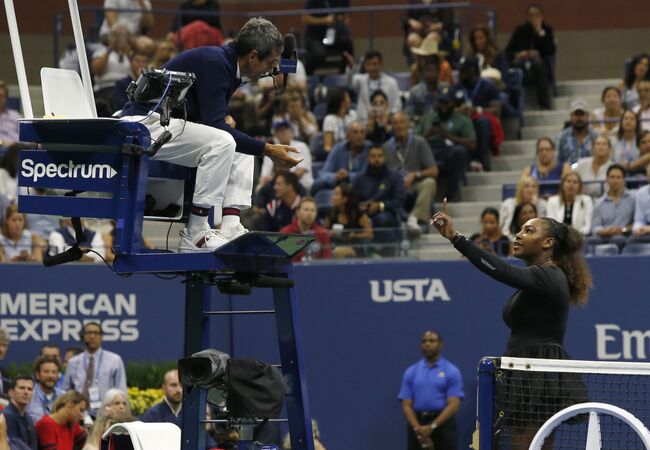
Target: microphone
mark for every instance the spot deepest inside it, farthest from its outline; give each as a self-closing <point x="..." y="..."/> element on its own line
<point x="74" y="253"/>
<point x="288" y="60"/>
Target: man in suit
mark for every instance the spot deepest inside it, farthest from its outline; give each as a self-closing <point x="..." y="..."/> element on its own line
<point x="208" y="140"/>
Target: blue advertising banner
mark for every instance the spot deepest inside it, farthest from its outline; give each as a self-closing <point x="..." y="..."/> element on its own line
<point x="361" y="323"/>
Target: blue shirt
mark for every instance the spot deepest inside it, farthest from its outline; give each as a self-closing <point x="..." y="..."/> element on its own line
<point x="608" y="213"/>
<point x="339" y="158"/>
<point x="642" y="208"/>
<point x="481" y="94"/>
<point x="569" y="150"/>
<point x="430" y="387"/>
<point x="41" y="405"/>
<point x="109" y="373"/>
<point x="20" y="427"/>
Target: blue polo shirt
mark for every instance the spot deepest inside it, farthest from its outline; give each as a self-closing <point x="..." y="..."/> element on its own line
<point x="430" y="386"/>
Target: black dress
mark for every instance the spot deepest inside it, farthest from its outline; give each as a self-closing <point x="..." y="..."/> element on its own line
<point x="537" y="315"/>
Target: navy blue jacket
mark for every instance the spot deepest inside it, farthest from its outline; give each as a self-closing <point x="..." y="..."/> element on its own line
<point x="161" y="412"/>
<point x="387" y="187"/>
<point x="207" y="100"/>
<point x="20" y="427"/>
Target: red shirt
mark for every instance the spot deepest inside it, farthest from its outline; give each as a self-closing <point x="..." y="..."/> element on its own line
<point x="53" y="436"/>
<point x="321" y="234"/>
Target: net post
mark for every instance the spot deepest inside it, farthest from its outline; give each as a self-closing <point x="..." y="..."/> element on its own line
<point x="485" y="401"/>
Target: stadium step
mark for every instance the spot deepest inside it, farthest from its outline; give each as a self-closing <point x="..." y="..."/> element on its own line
<point x="534" y="133"/>
<point x="510" y="162"/>
<point x="584" y="87"/>
<point x="523" y="147"/>
<point x="470" y="208"/>
<point x="495" y="177"/>
<point x="546" y="118"/>
<point x="563" y="102"/>
<point x="487" y="193"/>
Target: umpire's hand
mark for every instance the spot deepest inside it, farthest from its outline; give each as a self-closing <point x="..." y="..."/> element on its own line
<point x="279" y="154"/>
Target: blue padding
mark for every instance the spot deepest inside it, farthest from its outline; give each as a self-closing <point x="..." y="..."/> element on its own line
<point x="95" y="132"/>
<point x="636" y="249"/>
<point x="335" y="80"/>
<point x="102" y="208"/>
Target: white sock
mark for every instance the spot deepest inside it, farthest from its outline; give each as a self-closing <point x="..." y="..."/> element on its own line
<point x="230" y="223"/>
<point x="197" y="223"/>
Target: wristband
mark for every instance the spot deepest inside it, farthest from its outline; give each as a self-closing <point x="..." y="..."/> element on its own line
<point x="457" y="236"/>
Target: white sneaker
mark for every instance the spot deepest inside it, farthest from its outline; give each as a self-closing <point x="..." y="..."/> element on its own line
<point x="233" y="234"/>
<point x="201" y="241"/>
<point x="413" y="227"/>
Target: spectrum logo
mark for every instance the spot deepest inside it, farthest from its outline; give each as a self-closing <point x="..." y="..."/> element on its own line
<point x="32" y="170"/>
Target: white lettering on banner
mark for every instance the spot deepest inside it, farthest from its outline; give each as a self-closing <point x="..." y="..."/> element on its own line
<point x="632" y="344"/>
<point x="30" y="169"/>
<point x="405" y="290"/>
<point x="63" y="315"/>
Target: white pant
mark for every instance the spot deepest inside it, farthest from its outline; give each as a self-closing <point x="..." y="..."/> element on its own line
<point x="223" y="177"/>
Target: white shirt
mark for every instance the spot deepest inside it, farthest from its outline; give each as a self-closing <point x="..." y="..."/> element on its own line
<point x="364" y="87"/>
<point x="583" y="207"/>
<point x="584" y="167"/>
<point x="8" y="185"/>
<point x="58" y="245"/>
<point x="307" y="178"/>
<point x="338" y="126"/>
<point x="507" y="211"/>
<point x="117" y="67"/>
<point x="131" y="20"/>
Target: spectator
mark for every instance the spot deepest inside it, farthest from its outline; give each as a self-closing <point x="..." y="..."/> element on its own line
<point x="198" y="9"/>
<point x="4" y="204"/>
<point x="546" y="166"/>
<point x="94" y="371"/>
<point x="8" y="121"/>
<point x="606" y="119"/>
<point x="613" y="212"/>
<point x="381" y="191"/>
<point x="451" y="136"/>
<point x="637" y="167"/>
<point x="294" y="110"/>
<point x="144" y="45"/>
<point x="63" y="238"/>
<point x="17" y="243"/>
<point x="135" y="22"/>
<point x="42" y="224"/>
<point x="490" y="238"/>
<point x="642" y="110"/>
<point x="575" y="141"/>
<point x="349" y="227"/>
<point x="346" y="160"/>
<point x="626" y="149"/>
<point x="641" y="226"/>
<point x="326" y="33"/>
<point x="283" y="134"/>
<point x="532" y="48"/>
<point x="411" y="156"/>
<point x="374" y="79"/>
<point x="431" y="392"/>
<point x="378" y="127"/>
<point x="484" y="48"/>
<point x="339" y="117"/>
<point x="523" y="213"/>
<point x="109" y="65"/>
<point x="70" y="353"/>
<point x="5" y="339"/>
<point x="165" y="50"/>
<point x="305" y="222"/>
<point x="19" y="424"/>
<point x="571" y="207"/>
<point x="139" y="62"/>
<point x="280" y="210"/>
<point x="61" y="430"/>
<point x="4" y="440"/>
<point x="422" y="97"/>
<point x="115" y="403"/>
<point x="640" y="66"/>
<point x="54" y="352"/>
<point x="46" y="372"/>
<point x="484" y="105"/>
<point x="425" y="24"/>
<point x="426" y="52"/>
<point x="267" y="107"/>
<point x="527" y="192"/>
<point x="9" y="172"/>
<point x="93" y="442"/>
<point x="286" y="444"/>
<point x="594" y="168"/>
<point x="169" y="409"/>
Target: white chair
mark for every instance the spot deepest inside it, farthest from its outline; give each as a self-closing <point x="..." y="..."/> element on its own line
<point x="145" y="436"/>
<point x="64" y="95"/>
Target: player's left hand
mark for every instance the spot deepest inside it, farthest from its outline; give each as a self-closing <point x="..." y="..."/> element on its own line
<point x="280" y="156"/>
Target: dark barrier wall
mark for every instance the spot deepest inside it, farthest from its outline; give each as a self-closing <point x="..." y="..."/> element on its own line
<point x="361" y="324"/>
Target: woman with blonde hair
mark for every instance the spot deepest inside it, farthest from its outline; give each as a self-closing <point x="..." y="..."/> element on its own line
<point x="570" y="206"/>
<point x="594" y="168"/>
<point x="100" y="426"/>
<point x="17" y="243"/>
<point x="527" y="192"/>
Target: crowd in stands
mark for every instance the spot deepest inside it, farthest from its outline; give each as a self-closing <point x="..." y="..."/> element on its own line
<point x="378" y="148"/>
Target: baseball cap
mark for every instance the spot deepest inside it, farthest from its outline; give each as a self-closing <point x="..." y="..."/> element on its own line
<point x="279" y="123"/>
<point x="579" y="104"/>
